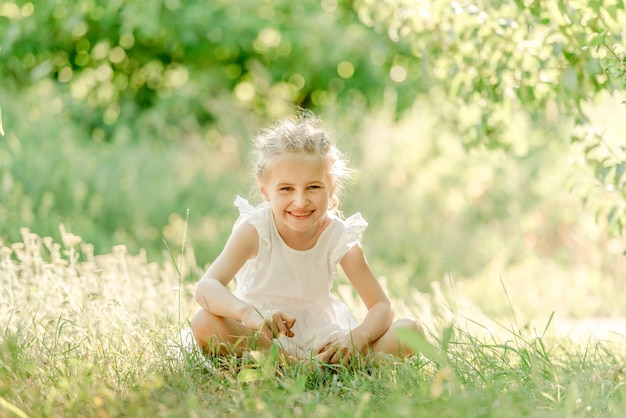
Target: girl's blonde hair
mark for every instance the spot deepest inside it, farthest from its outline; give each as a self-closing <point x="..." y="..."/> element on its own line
<point x="301" y="133"/>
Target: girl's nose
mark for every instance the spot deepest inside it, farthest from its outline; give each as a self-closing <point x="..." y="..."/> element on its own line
<point x="301" y="200"/>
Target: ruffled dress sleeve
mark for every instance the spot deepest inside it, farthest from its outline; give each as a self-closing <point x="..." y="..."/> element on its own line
<point x="245" y="208"/>
<point x="353" y="228"/>
<point x="255" y="216"/>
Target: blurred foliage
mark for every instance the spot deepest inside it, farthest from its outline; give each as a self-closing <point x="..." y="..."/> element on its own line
<point x="122" y="57"/>
<point x="124" y="192"/>
<point x="438" y="211"/>
<point x="435" y="210"/>
<point x="492" y="58"/>
<point x="121" y="115"/>
<point x="119" y="59"/>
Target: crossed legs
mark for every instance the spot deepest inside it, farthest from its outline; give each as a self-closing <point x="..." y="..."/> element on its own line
<point x="217" y="335"/>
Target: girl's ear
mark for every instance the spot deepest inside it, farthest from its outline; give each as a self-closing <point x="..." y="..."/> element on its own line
<point x="262" y="189"/>
<point x="333" y="202"/>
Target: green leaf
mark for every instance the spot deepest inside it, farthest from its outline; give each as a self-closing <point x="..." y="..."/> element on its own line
<point x="596" y="39"/>
<point x="419" y="344"/>
<point x="250" y="375"/>
<point x="274" y="353"/>
<point x="448" y="332"/>
<point x="299" y="385"/>
<point x="619" y="171"/>
<point x="570" y="79"/>
<point x="571" y="398"/>
<point x="611" y="216"/>
<point x="12" y="408"/>
<point x="257" y="356"/>
<point x="604" y="172"/>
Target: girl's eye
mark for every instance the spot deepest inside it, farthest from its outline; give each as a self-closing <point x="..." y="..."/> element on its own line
<point x="315" y="187"/>
<point x="286" y="189"/>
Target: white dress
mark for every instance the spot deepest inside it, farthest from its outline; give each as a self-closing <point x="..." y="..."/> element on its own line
<point x="298" y="282"/>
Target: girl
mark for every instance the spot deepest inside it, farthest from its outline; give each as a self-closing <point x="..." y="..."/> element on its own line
<point x="284" y="256"/>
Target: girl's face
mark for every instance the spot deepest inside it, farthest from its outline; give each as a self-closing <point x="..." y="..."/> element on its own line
<point x="299" y="191"/>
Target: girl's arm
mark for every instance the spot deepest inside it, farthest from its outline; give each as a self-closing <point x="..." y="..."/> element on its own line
<point x="211" y="291"/>
<point x="379" y="313"/>
<point x="213" y="295"/>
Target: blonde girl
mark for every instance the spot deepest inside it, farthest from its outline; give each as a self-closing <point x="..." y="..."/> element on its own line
<point x="284" y="256"/>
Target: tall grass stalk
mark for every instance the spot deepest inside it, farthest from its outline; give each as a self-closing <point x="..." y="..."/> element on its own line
<point x="179" y="266"/>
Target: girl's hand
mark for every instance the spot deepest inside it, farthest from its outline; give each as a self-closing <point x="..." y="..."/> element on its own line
<point x="340" y="350"/>
<point x="272" y="324"/>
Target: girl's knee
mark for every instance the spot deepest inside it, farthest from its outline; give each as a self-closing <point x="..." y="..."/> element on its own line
<point x="206" y="330"/>
<point x="411" y="324"/>
<point x="390" y="343"/>
<point x="202" y="324"/>
<point x="218" y="335"/>
<point x="408" y="323"/>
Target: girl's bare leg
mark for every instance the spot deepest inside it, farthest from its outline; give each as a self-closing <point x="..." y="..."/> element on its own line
<point x="389" y="342"/>
<point x="224" y="336"/>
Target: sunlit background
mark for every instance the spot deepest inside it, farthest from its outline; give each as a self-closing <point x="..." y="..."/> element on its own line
<point x="130" y="123"/>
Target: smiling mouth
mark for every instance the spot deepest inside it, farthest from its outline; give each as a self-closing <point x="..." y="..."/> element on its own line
<point x="301" y="214"/>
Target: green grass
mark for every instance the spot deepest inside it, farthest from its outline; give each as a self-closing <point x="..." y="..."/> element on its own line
<point x="98" y="335"/>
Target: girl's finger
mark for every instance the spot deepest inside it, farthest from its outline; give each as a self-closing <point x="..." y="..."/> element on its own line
<point x="341" y="356"/>
<point x="346" y="357"/>
<point x="328" y="354"/>
<point x="279" y="324"/>
<point x="269" y="329"/>
<point x="290" y="333"/>
<point x="288" y="320"/>
<point x="337" y="357"/>
<point x="323" y="347"/>
<point x="266" y="330"/>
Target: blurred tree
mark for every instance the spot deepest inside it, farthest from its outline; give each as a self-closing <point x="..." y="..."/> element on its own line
<point x="157" y="66"/>
<point x="494" y="58"/>
<point x="120" y="58"/>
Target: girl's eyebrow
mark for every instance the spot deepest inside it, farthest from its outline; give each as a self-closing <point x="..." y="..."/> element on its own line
<point x="285" y="183"/>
